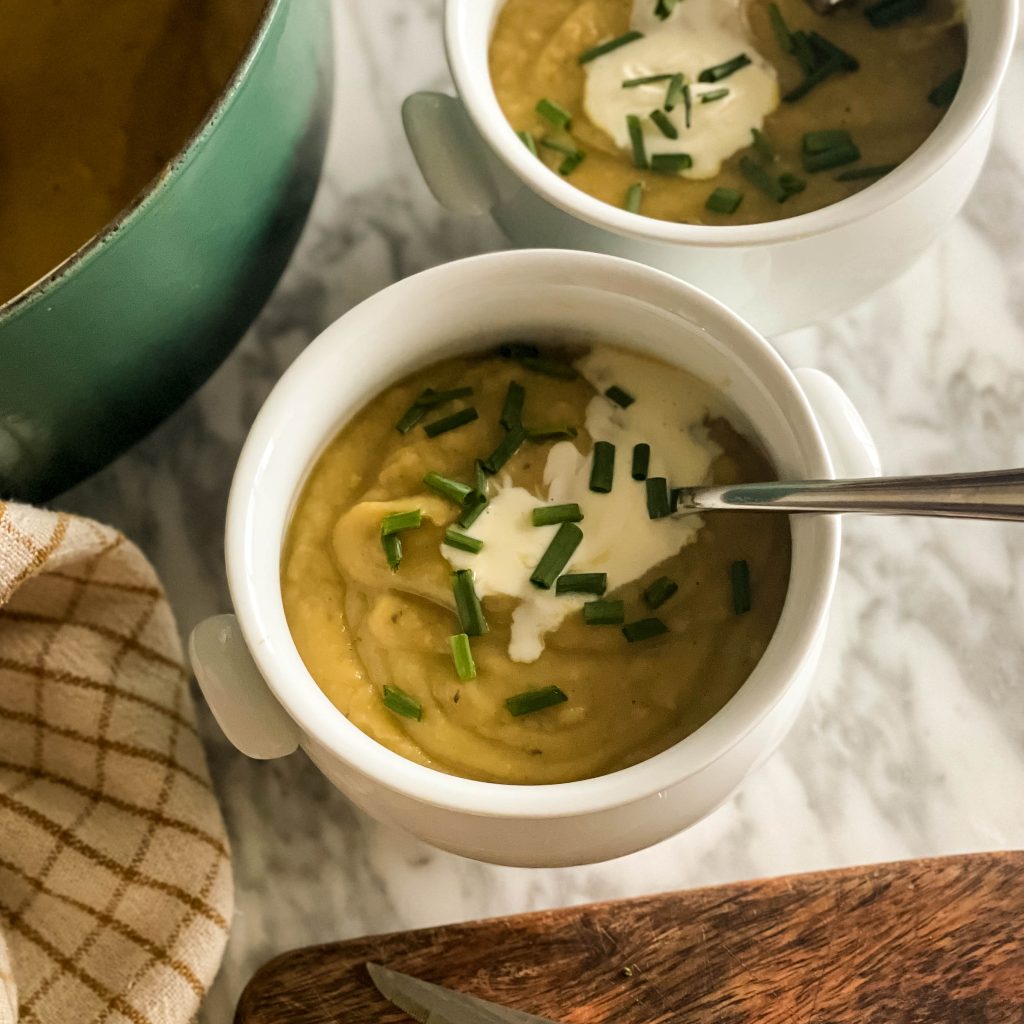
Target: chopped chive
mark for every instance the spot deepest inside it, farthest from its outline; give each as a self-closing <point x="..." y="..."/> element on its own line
<point x="634" y="197"/>
<point x="660" y="591"/>
<point x="804" y="52"/>
<point x="396" y="522"/>
<point x="641" y="461"/>
<point x="724" y="70"/>
<point x="780" y="28"/>
<point x="573" y="156"/>
<point x="528" y="141"/>
<point x="664" y="124"/>
<point x="658" y="502"/>
<point x="828" y="52"/>
<point x="462" y="541"/>
<point x="688" y="106"/>
<point x="411" y="417"/>
<point x="888" y="12"/>
<point x="632" y="83"/>
<point x="762" y="145"/>
<point x="620" y="397"/>
<point x="535" y="700"/>
<point x="859" y="173"/>
<point x="401" y="703"/>
<point x="671" y="163"/>
<point x="538" y="435"/>
<point x="613" y="44"/>
<point x="557" y="556"/>
<point x="767" y="183"/>
<point x="453" y="422"/>
<point x="472" y="509"/>
<point x="507" y="447"/>
<point x="462" y="655"/>
<point x="392" y="545"/>
<point x="713" y="94"/>
<point x="792" y="184"/>
<point x="674" y="94"/>
<point x="739" y="575"/>
<point x="835" y="157"/>
<point x="821" y="141"/>
<point x="518" y="350"/>
<point x="512" y="410"/>
<point x="595" y="583"/>
<point x="430" y="399"/>
<point x="604" y="613"/>
<point x="548" y="367"/>
<point x="664" y="8"/>
<point x="602" y="472"/>
<point x="454" y="490"/>
<point x="636" y="138"/>
<point x="944" y="93"/>
<point x="555" y="113"/>
<point x="645" y="629"/>
<point x="813" y="80"/>
<point x="481" y="479"/>
<point x="724" y="200"/>
<point x="467" y="604"/>
<point x="553" y="515"/>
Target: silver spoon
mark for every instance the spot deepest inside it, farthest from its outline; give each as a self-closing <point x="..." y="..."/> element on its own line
<point x="996" y="495"/>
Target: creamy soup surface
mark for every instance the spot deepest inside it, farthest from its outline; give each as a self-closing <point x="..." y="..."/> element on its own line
<point x="883" y="85"/>
<point x="375" y="636"/>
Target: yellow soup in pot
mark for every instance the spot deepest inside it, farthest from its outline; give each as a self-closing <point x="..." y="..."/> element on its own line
<point x="725" y="111"/>
<point x="481" y="573"/>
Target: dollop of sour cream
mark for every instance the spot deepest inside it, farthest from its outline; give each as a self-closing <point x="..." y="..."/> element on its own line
<point x="699" y="34"/>
<point x="619" y="538"/>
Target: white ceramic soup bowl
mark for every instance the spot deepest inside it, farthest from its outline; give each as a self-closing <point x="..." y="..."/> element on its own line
<point x="267" y="702"/>
<point x="779" y="276"/>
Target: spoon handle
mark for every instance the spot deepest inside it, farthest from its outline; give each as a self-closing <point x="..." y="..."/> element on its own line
<point x="996" y="495"/>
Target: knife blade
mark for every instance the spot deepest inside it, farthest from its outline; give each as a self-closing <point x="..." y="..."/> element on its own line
<point x="435" y="1004"/>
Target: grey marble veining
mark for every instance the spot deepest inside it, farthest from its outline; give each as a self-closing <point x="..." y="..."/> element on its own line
<point x="913" y="741"/>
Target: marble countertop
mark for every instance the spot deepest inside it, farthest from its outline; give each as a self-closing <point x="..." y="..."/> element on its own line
<point x="913" y="741"/>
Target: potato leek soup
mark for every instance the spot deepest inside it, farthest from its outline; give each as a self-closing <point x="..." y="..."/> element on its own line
<point x="483" y="575"/>
<point x="725" y="111"/>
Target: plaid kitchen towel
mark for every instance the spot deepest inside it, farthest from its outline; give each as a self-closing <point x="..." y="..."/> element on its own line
<point x="115" y="874"/>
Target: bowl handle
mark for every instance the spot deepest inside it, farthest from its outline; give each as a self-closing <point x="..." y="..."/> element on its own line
<point x="454" y="161"/>
<point x="853" y="449"/>
<point x="237" y="694"/>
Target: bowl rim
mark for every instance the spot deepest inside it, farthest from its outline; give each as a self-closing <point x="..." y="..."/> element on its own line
<point x="171" y="170"/>
<point x="327" y="729"/>
<point x="978" y="91"/>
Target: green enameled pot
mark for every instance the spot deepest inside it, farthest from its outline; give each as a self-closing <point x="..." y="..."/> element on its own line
<point x="95" y="355"/>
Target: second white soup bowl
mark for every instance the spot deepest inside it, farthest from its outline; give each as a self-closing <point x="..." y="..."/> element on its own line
<point x="267" y="702"/>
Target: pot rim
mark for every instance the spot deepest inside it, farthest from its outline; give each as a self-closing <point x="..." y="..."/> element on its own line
<point x="167" y="174"/>
<point x="257" y="505"/>
<point x="977" y="93"/>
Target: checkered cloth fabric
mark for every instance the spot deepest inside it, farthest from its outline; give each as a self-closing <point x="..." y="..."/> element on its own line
<point x="115" y="874"/>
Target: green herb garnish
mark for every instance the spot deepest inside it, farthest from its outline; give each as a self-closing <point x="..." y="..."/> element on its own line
<point x="467" y="604"/>
<point x="472" y="508"/>
<point x="613" y="44"/>
<point x="512" y="410"/>
<point x="780" y="28"/>
<point x="664" y="124"/>
<point x="739" y="576"/>
<point x="888" y="12"/>
<point x="675" y="92"/>
<point x="632" y="83"/>
<point x="453" y="422"/>
<point x="455" y="491"/>
<point x="713" y="94"/>
<point x="634" y="197"/>
<point x="518" y="350"/>
<point x="392" y="545"/>
<point x="664" y="8"/>
<point x="641" y="461"/>
<point x="792" y="184"/>
<point x="645" y="629"/>
<point x="619" y="396"/>
<point x="724" y="200"/>
<point x="658" y="502"/>
<point x="462" y="655"/>
<point x="660" y="591"/>
<point x="826" y="51"/>
<point x="604" y="613"/>
<point x="535" y="700"/>
<point x="528" y="141"/>
<point x="724" y="70"/>
<point x="401" y="703"/>
<point x="827" y="149"/>
<point x="557" y="556"/>
<point x="410" y="418"/>
<point x="462" y="541"/>
<point x="945" y="92"/>
<point x="636" y="138"/>
<point x="396" y="522"/>
<point x="553" y="515"/>
<point x="555" y="113"/>
<point x="763" y="147"/>
<point x="595" y="583"/>
<point x="507" y="447"/>
<point x="431" y="399"/>
<point x="820" y="141"/>
<point x="759" y="177"/>
<point x="541" y="364"/>
<point x="602" y="472"/>
<point x="573" y="156"/>
<point x="859" y="173"/>
<point x="671" y="163"/>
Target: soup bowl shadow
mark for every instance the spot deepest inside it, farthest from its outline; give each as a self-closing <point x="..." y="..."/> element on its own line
<point x="254" y="678"/>
<point x="123" y="331"/>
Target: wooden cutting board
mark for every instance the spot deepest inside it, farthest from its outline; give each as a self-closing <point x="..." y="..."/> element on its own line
<point x="921" y="942"/>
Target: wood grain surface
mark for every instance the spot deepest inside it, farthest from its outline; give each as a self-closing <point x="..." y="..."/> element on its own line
<point x="921" y="942"/>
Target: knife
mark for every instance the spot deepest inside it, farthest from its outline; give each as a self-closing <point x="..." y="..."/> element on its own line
<point x="434" y="1004"/>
